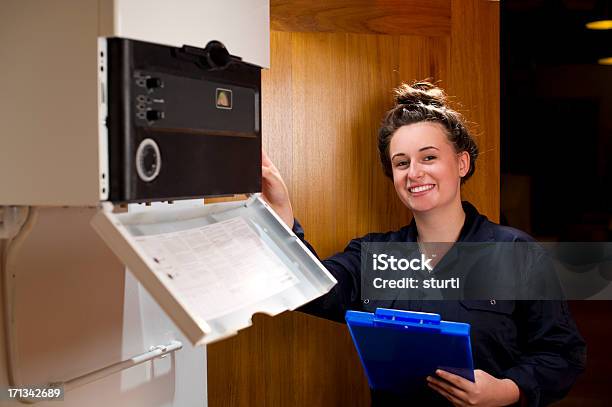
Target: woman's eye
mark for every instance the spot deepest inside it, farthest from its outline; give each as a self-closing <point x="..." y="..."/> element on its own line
<point x="429" y="158"/>
<point x="401" y="163"/>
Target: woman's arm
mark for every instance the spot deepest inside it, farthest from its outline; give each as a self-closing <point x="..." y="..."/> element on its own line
<point x="344" y="266"/>
<point x="274" y="191"/>
<point x="554" y="353"/>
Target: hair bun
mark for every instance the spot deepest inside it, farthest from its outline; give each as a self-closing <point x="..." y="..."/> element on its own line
<point x="422" y="92"/>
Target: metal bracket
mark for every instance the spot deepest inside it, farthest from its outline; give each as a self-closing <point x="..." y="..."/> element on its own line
<point x="159" y="351"/>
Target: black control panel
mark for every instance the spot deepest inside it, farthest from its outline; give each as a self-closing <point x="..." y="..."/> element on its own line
<point x="183" y="122"/>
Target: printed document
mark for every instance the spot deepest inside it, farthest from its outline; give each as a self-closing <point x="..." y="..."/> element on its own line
<point x="218" y="268"/>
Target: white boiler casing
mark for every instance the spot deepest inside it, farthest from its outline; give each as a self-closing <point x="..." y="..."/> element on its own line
<point x="52" y="138"/>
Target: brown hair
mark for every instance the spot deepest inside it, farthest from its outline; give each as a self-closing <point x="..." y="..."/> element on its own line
<point x="419" y="102"/>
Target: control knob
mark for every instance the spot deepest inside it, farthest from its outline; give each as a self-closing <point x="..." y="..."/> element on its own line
<point x="148" y="160"/>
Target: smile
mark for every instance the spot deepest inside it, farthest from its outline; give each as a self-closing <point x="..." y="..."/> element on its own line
<point x="420" y="188"/>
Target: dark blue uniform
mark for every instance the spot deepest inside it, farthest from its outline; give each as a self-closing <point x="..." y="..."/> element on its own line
<point x="534" y="343"/>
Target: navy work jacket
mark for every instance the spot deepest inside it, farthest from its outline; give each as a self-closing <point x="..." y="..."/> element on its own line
<point x="536" y="344"/>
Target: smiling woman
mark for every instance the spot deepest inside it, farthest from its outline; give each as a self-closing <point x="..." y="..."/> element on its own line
<point x="426" y="168"/>
<point x="527" y="351"/>
<point x="422" y="102"/>
<point x="427" y="152"/>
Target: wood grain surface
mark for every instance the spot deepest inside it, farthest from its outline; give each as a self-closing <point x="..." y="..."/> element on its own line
<point x="396" y="17"/>
<point x="474" y="83"/>
<point x="323" y="98"/>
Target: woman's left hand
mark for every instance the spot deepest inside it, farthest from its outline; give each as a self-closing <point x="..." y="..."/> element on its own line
<point x="485" y="391"/>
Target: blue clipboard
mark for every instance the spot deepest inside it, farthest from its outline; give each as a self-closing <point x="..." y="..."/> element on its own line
<point x="399" y="349"/>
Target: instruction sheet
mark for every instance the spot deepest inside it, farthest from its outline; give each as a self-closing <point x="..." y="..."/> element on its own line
<point x="220" y="267"/>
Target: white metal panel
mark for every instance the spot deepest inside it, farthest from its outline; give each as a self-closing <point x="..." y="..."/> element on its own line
<point x="243" y="26"/>
<point x="77" y="310"/>
<point x="102" y="97"/>
<point x="185" y="376"/>
<point x="205" y="318"/>
<point x="123" y="244"/>
<point x="48" y="108"/>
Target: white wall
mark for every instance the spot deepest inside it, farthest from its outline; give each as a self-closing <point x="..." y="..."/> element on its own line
<point x="76" y="310"/>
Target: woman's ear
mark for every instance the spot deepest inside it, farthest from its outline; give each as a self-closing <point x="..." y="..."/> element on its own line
<point x="463" y="159"/>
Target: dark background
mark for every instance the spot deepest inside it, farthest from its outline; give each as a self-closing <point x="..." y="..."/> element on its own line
<point x="556" y="120"/>
<point x="556" y="126"/>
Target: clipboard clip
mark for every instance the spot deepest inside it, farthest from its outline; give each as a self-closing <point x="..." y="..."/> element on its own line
<point x="407" y="319"/>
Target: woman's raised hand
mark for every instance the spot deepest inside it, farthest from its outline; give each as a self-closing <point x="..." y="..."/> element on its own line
<point x="274" y="190"/>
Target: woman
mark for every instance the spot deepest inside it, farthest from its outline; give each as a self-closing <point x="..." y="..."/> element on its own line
<point x="526" y="352"/>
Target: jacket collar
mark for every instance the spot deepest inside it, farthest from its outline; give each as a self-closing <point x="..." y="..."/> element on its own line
<point x="476" y="228"/>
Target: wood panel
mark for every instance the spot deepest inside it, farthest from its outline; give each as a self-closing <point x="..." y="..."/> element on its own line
<point x="277" y="105"/>
<point x="319" y="126"/>
<point x="474" y="83"/>
<point x="397" y="17"/>
<point x="289" y="360"/>
<point x="337" y="177"/>
<point x="324" y="97"/>
<point x="425" y="58"/>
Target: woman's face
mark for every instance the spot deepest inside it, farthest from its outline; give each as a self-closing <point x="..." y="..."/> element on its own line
<point x="426" y="169"/>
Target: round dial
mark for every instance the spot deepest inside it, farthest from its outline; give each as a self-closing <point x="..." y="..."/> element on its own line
<point x="148" y="160"/>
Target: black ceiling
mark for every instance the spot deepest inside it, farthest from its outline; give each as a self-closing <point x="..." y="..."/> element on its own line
<point x="553" y="32"/>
